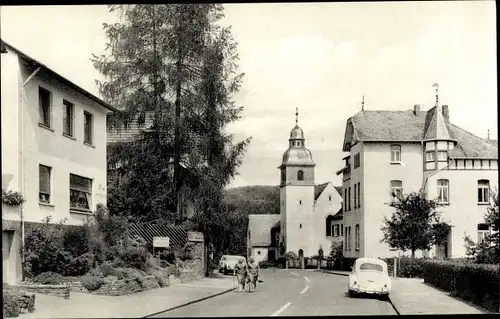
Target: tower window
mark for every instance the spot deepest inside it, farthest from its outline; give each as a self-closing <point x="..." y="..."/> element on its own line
<point x="330" y="197"/>
<point x="300" y="202"/>
<point x="300" y="175"/>
<point x="300" y="225"/>
<point x="283" y="175"/>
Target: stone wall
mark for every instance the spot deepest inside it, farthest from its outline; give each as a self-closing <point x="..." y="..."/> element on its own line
<point x="196" y="266"/>
<point x="25" y="301"/>
<point x="51" y="290"/>
<point x="192" y="270"/>
<point x="120" y="287"/>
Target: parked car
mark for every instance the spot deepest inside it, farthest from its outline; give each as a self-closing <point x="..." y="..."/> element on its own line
<point x="369" y="275"/>
<point x="227" y="263"/>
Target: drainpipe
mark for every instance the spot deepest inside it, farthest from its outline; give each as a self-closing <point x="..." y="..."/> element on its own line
<point x="22" y="167"/>
<point x="424" y="182"/>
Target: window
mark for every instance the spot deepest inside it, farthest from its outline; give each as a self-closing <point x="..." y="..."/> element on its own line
<point x="349" y="197"/>
<point x="356" y="237"/>
<point x="356" y="160"/>
<point x="370" y="266"/>
<point x="396" y="189"/>
<point x="341" y="230"/>
<point x="443" y="187"/>
<point x="336" y="232"/>
<point x="345" y="239"/>
<point x="483" y="191"/>
<point x="258" y="252"/>
<point x="355" y="197"/>
<point x="300" y="175"/>
<point x="283" y="176"/>
<point x="359" y="197"/>
<point x="395" y="153"/>
<point x="329" y="225"/>
<point x="300" y="202"/>
<point x="442" y="156"/>
<point x="430" y="156"/>
<point x="44" y="106"/>
<point x="68" y="118"/>
<point x="88" y="128"/>
<point x="300" y="225"/>
<point x="330" y="198"/>
<point x="80" y="192"/>
<point x="349" y="238"/>
<point x="44" y="184"/>
<point x="483" y="231"/>
<point x="345" y="200"/>
<point x="332" y="230"/>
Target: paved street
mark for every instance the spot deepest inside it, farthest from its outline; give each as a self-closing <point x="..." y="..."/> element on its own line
<point x="288" y="293"/>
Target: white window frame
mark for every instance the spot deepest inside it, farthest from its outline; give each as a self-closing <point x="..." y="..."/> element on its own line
<point x="91" y="116"/>
<point x="430" y="156"/>
<point x="49" y="201"/>
<point x="67" y="104"/>
<point x="356" y="237"/>
<point x="89" y="198"/>
<point x="441" y="158"/>
<point x="395" y="150"/>
<point x="41" y="120"/>
<point x="483" y="191"/>
<point x="396" y="189"/>
<point x="441" y="189"/>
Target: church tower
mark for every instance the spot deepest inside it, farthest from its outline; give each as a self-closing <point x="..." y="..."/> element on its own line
<point x="297" y="195"/>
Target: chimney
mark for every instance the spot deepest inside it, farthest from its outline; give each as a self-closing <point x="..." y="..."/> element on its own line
<point x="416" y="109"/>
<point x="446" y="112"/>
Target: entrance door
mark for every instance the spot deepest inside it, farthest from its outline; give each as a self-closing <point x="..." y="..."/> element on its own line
<point x="271" y="255"/>
<point x="6" y="244"/>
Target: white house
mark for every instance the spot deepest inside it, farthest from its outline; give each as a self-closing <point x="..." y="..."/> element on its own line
<point x="406" y="151"/>
<point x="53" y="150"/>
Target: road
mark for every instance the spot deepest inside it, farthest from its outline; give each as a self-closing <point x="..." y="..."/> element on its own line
<point x="288" y="293"/>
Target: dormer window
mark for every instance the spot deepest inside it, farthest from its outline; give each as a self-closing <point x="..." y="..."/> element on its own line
<point x="395" y="153"/>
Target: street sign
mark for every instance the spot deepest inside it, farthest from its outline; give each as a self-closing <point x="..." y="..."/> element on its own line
<point x="162" y="242"/>
<point x="195" y="236"/>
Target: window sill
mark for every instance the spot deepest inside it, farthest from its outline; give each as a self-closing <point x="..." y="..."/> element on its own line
<point x="89" y="145"/>
<point x="444" y="204"/>
<point x="45" y="127"/>
<point x="357" y="249"/>
<point x="483" y="204"/>
<point x="80" y="211"/>
<point x="69" y="136"/>
<point x="46" y="204"/>
<point x="396" y="163"/>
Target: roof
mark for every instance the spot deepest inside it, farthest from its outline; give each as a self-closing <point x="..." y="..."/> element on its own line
<point x="339" y="215"/>
<point x="437" y="128"/>
<point x="338" y="189"/>
<point x="406" y="126"/>
<point x="60" y="77"/>
<point x="176" y="234"/>
<point x="259" y="227"/>
<point x="318" y="190"/>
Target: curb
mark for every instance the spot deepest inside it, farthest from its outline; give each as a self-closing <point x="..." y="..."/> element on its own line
<point x="394" y="306"/>
<point x="334" y="273"/>
<point x="190" y="303"/>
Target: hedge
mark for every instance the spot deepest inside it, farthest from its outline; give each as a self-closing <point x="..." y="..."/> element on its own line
<point x="477" y="283"/>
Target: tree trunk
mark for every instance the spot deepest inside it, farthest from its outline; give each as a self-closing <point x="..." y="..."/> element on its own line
<point x="177" y="159"/>
<point x="412" y="253"/>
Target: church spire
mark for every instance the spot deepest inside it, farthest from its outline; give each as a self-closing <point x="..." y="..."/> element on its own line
<point x="297" y="116"/>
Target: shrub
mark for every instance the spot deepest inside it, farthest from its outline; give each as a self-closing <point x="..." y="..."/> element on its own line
<point x="477" y="283"/>
<point x="118" y="263"/>
<point x="135" y="257"/>
<point x="92" y="283"/>
<point x="63" y="262"/>
<point x="11" y="307"/>
<point x="168" y="255"/>
<point x="11" y="198"/>
<point x="108" y="270"/>
<point x="77" y="239"/>
<point x="49" y="278"/>
<point x="81" y="265"/>
<point x="187" y="252"/>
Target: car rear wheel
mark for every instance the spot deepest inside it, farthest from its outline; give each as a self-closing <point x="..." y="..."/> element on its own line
<point x="352" y="293"/>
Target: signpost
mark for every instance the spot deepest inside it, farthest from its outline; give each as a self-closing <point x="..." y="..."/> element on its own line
<point x="160" y="242"/>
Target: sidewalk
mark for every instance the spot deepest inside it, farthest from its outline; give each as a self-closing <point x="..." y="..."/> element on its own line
<point x="412" y="296"/>
<point x="136" y="305"/>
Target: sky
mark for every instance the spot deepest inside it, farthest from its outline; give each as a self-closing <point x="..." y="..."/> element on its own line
<point x="318" y="57"/>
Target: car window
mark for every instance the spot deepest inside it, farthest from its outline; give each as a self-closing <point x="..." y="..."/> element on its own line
<point x="370" y="266"/>
<point x="233" y="258"/>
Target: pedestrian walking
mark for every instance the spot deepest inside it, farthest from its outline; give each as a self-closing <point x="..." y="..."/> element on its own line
<point x="240" y="273"/>
<point x="253" y="274"/>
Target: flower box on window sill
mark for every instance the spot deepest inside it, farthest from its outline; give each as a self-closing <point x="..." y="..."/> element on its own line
<point x="80" y="211"/>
